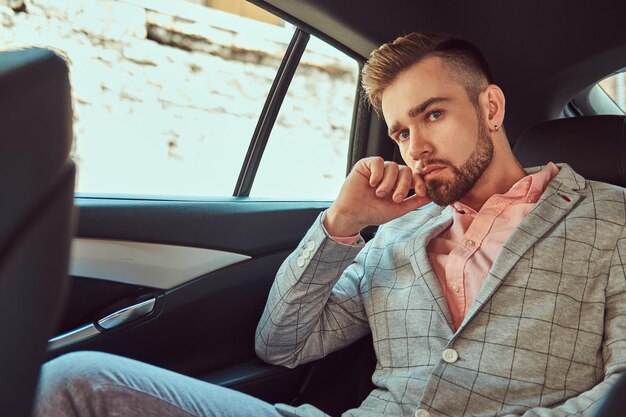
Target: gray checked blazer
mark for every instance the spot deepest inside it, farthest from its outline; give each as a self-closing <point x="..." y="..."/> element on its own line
<point x="545" y="336"/>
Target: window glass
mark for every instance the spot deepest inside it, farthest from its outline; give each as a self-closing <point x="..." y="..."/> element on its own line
<point x="306" y="155"/>
<point x="166" y="94"/>
<point x="615" y="87"/>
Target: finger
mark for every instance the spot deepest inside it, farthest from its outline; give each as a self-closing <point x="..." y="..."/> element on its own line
<point x="419" y="185"/>
<point x="388" y="183"/>
<point x="403" y="184"/>
<point x="376" y="167"/>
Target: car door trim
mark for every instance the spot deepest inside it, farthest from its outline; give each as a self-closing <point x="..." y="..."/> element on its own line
<point x="74" y="336"/>
<point x="145" y="264"/>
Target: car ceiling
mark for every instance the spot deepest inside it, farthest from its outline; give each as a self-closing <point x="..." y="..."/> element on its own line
<point x="542" y="53"/>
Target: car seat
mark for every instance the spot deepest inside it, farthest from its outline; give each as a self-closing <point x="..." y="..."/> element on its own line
<point x="593" y="145"/>
<point x="36" y="185"/>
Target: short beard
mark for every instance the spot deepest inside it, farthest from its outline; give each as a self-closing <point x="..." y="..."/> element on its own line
<point x="445" y="192"/>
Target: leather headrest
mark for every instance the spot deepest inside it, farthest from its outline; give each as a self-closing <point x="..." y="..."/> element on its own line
<point x="593" y="145"/>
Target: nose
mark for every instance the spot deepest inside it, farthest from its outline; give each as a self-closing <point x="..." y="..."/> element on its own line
<point x="419" y="147"/>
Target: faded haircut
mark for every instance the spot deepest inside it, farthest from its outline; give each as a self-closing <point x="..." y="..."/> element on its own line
<point x="462" y="59"/>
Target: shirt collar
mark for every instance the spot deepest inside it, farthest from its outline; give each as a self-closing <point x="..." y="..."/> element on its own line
<point x="526" y="190"/>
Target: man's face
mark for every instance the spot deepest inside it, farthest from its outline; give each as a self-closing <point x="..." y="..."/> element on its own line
<point x="433" y="121"/>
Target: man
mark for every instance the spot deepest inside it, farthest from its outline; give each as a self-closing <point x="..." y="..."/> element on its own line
<point x="506" y="297"/>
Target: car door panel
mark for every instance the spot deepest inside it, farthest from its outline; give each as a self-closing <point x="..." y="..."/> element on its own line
<point x="243" y="225"/>
<point x="201" y="326"/>
<point x="146" y="264"/>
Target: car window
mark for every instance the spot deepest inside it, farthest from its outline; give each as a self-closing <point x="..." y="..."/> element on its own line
<point x="615" y="87"/>
<point x="306" y="155"/>
<point x="167" y="95"/>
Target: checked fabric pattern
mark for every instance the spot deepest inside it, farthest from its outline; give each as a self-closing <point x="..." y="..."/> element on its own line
<point x="545" y="336"/>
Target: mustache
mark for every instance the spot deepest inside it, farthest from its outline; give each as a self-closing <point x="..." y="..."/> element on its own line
<point x="436" y="161"/>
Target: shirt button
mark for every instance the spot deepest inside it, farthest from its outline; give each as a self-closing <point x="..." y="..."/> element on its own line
<point x="421" y="413"/>
<point x="301" y="261"/>
<point x="450" y="355"/>
<point x="455" y="287"/>
<point x="470" y="243"/>
<point x="310" y="246"/>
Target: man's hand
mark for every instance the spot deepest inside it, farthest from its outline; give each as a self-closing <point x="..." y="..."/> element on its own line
<point x="374" y="193"/>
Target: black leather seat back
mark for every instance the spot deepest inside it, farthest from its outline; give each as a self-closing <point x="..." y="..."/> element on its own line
<point x="36" y="189"/>
<point x="595" y="146"/>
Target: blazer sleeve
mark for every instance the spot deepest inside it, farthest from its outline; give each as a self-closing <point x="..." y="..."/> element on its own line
<point x="314" y="306"/>
<point x="613" y="346"/>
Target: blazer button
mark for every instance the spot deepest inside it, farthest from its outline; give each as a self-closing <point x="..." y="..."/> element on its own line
<point x="421" y="413"/>
<point x="311" y="245"/>
<point x="450" y="355"/>
<point x="301" y="261"/>
<point x="306" y="253"/>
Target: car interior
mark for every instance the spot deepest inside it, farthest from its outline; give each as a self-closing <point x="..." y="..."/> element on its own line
<point x="127" y="295"/>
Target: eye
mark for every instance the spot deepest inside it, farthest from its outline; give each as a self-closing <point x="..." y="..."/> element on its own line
<point x="403" y="135"/>
<point x="434" y="115"/>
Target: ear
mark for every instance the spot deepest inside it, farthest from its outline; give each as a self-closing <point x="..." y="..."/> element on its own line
<point x="492" y="103"/>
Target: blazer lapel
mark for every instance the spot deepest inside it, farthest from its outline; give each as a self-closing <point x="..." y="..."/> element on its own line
<point x="416" y="252"/>
<point x="559" y="198"/>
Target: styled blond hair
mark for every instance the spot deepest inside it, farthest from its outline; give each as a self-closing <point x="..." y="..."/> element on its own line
<point x="464" y="61"/>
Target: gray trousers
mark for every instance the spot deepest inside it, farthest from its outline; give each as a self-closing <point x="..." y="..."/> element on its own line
<point x="93" y="384"/>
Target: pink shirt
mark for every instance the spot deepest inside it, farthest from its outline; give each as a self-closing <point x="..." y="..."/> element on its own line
<point x="462" y="255"/>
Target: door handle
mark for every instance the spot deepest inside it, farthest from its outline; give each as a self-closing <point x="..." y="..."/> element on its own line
<point x="113" y="320"/>
<point x="127" y="314"/>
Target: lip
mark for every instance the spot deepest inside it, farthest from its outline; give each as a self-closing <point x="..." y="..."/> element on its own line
<point x="431" y="171"/>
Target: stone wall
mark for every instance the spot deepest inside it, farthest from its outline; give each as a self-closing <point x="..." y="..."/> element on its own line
<point x="167" y="95"/>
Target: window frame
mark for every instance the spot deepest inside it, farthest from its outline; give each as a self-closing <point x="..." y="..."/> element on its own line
<point x="361" y="116"/>
<point x="269" y="113"/>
